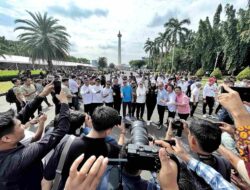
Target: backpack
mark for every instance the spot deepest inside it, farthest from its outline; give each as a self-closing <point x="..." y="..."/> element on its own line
<point x="10" y="96"/>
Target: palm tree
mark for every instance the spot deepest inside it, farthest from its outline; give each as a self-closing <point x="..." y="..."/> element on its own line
<point x="148" y="47"/>
<point x="160" y="43"/>
<point x="44" y="38"/>
<point x="153" y="48"/>
<point x="176" y="32"/>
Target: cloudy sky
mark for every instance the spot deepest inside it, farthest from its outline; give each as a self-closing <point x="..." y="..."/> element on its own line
<point x="93" y="24"/>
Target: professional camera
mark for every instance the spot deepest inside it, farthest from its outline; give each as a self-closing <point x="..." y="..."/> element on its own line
<point x="177" y="127"/>
<point x="139" y="153"/>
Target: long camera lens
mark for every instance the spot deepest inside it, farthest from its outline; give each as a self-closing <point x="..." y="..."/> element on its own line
<point x="139" y="133"/>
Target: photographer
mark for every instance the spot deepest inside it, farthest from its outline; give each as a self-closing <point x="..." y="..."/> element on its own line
<point x="200" y="135"/>
<point x="104" y="119"/>
<point x="20" y="163"/>
<point x="207" y="173"/>
<point x="89" y="176"/>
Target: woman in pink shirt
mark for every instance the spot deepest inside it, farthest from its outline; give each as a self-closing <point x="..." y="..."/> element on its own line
<point x="182" y="103"/>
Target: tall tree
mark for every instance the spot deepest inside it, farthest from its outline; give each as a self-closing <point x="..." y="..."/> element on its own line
<point x="44" y="38"/>
<point x="102" y="62"/>
<point x="160" y="43"/>
<point x="231" y="46"/>
<point x="152" y="47"/>
<point x="177" y="32"/>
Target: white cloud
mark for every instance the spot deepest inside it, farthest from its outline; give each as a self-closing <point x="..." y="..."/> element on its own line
<point x="95" y="34"/>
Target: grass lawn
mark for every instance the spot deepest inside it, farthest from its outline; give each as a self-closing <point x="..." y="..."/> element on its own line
<point x="5" y="86"/>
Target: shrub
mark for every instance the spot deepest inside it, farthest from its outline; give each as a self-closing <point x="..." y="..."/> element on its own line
<point x="244" y="74"/>
<point x="216" y="73"/>
<point x="200" y="72"/>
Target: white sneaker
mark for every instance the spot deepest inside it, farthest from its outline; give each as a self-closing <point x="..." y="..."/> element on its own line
<point x="205" y="116"/>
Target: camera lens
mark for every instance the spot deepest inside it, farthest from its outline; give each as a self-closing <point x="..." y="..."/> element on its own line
<point x="139" y="133"/>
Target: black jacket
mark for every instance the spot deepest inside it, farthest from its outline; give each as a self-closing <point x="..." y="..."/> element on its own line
<point x="88" y="146"/>
<point x="117" y="91"/>
<point x="21" y="167"/>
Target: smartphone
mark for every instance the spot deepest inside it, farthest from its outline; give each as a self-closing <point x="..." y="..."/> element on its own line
<point x="57" y="86"/>
<point x="171" y="142"/>
<point x="244" y="92"/>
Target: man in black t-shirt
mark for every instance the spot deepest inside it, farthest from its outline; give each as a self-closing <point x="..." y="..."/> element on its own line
<point x="103" y="120"/>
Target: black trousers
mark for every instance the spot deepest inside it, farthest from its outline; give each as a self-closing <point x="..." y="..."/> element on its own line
<point x="87" y="108"/>
<point x="75" y="101"/>
<point x="210" y="104"/>
<point x="183" y="116"/>
<point x="161" y="111"/>
<point x="133" y="108"/>
<point x="171" y="114"/>
<point x="18" y="106"/>
<point x="188" y="93"/>
<point x="140" y="110"/>
<point x="46" y="101"/>
<point x="193" y="106"/>
<point x="94" y="106"/>
<point x="124" y="107"/>
<point x="150" y="109"/>
<point x="117" y="105"/>
<point x="110" y="104"/>
<point x="39" y="109"/>
<point x="218" y="108"/>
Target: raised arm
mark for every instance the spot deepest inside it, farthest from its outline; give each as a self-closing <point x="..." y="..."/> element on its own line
<point x="30" y="108"/>
<point x="38" y="150"/>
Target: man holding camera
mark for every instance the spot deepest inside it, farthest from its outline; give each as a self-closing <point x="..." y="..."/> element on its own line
<point x="204" y="138"/>
<point x="18" y="162"/>
<point x="103" y="120"/>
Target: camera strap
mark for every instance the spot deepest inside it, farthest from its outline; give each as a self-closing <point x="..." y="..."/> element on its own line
<point x="60" y="165"/>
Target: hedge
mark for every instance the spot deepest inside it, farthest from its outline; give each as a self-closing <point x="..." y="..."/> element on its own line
<point x="200" y="72"/>
<point x="216" y="73"/>
<point x="244" y="74"/>
<point x="7" y="75"/>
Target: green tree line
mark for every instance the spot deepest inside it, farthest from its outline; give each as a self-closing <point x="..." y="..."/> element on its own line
<point x="217" y="44"/>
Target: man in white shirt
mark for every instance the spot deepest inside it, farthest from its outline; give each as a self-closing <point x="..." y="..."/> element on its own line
<point x="107" y="94"/>
<point x="97" y="99"/>
<point x="184" y="85"/>
<point x="209" y="93"/>
<point x="74" y="87"/>
<point x="171" y="99"/>
<point x="86" y="96"/>
<point x="194" y="100"/>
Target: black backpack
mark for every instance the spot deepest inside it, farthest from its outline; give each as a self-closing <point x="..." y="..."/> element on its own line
<point x="10" y="96"/>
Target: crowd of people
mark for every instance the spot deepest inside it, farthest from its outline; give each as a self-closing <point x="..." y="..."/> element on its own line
<point x="76" y="149"/>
